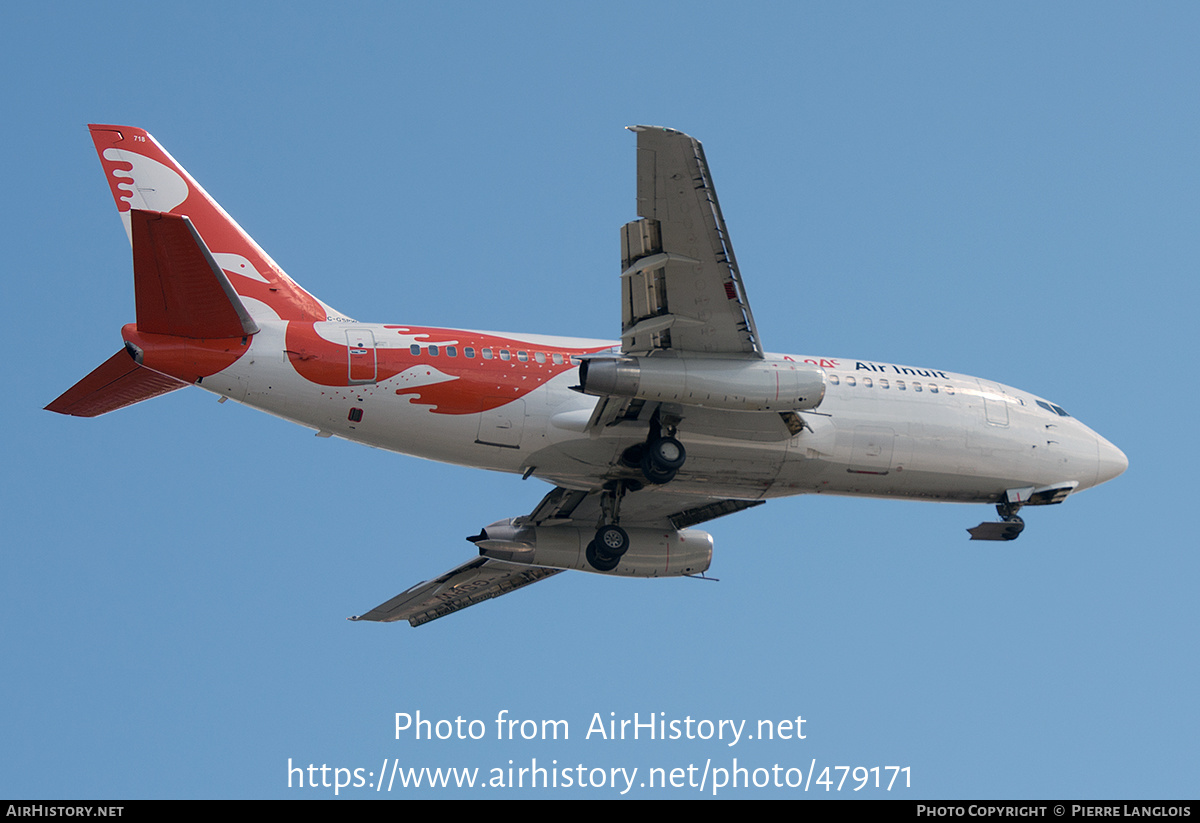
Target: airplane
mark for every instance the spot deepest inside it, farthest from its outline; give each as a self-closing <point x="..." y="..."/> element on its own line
<point x="685" y="419"/>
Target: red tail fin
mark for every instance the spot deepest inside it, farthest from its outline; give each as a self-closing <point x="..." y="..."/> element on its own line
<point x="143" y="176"/>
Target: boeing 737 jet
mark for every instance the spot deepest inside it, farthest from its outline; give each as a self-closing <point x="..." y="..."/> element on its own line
<point x="685" y="419"/>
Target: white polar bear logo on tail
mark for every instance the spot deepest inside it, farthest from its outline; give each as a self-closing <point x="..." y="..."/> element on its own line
<point x="150" y="185"/>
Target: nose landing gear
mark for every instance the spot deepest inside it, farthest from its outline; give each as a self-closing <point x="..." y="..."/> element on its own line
<point x="1009" y="529"/>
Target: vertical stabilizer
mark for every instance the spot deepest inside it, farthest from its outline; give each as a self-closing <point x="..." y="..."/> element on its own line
<point x="142" y="175"/>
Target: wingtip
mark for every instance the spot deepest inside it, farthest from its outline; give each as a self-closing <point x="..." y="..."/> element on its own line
<point x="663" y="129"/>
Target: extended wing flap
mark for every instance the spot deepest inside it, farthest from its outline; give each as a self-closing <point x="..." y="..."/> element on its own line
<point x="680" y="284"/>
<point x="473" y="582"/>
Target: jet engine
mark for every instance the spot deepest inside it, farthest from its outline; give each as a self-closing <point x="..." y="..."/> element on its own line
<point x="735" y="385"/>
<point x="651" y="552"/>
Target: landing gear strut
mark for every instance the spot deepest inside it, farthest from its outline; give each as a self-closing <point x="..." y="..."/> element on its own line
<point x="604" y="553"/>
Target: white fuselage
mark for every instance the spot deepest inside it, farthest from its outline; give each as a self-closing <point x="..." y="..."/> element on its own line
<point x="882" y="429"/>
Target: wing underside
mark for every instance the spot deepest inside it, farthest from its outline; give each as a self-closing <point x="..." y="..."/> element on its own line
<point x="473" y="582"/>
<point x="680" y="285"/>
<point x="483" y="578"/>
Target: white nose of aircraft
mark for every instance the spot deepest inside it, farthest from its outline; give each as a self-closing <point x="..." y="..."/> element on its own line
<point x="1110" y="461"/>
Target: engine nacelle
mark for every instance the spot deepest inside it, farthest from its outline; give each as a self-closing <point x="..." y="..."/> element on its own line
<point x="652" y="552"/>
<point x="736" y="385"/>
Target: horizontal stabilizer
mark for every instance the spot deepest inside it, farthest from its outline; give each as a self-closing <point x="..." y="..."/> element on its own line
<point x="118" y="382"/>
<point x="179" y="287"/>
<point x="472" y="582"/>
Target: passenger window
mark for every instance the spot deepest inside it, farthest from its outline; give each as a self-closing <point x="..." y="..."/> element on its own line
<point x="539" y="356"/>
<point x="834" y="379"/>
<point x="933" y="389"/>
<point x="883" y="383"/>
<point x="949" y="390"/>
<point x="916" y="386"/>
<point x="557" y="358"/>
<point x="523" y="356"/>
<point x="451" y="351"/>
<point x="505" y="354"/>
<point x="433" y="351"/>
<point x="900" y="385"/>
<point x="867" y="382"/>
<point x="414" y="348"/>
<point x="469" y="351"/>
<point x="850" y="380"/>
<point x="487" y="354"/>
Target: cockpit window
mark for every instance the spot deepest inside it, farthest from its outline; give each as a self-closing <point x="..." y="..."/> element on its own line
<point x="1053" y="409"/>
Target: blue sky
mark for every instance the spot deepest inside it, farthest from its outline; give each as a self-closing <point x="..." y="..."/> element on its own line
<point x="1009" y="191"/>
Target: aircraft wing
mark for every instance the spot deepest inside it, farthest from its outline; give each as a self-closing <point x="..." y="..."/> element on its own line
<point x="680" y="285"/>
<point x="473" y="582"/>
<point x="483" y="578"/>
<point x="653" y="506"/>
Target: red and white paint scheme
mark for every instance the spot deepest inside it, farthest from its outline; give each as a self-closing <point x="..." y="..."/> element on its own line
<point x="685" y="419"/>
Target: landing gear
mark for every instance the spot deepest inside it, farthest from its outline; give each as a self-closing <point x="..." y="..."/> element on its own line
<point x="604" y="553"/>
<point x="661" y="455"/>
<point x="1009" y="529"/>
<point x="662" y="459"/>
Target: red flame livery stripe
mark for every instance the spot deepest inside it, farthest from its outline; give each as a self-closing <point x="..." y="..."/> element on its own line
<point x="473" y="385"/>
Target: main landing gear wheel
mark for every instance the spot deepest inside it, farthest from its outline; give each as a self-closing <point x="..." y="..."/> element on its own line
<point x="667" y="453"/>
<point x="662" y="459"/>
<point x="605" y="552"/>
